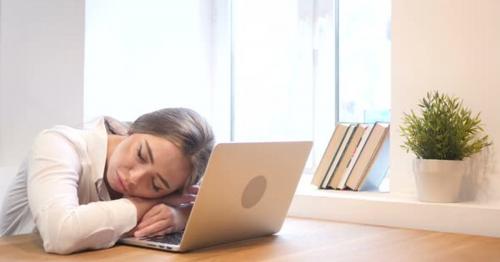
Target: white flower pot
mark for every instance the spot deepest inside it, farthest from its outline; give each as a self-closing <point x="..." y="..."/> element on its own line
<point x="438" y="180"/>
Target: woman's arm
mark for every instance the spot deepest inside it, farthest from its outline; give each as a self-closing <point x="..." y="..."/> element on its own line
<point x="64" y="225"/>
<point x="163" y="219"/>
<point x="143" y="205"/>
<point x="169" y="216"/>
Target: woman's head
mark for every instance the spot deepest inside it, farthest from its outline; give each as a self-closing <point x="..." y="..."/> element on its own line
<point x="165" y="150"/>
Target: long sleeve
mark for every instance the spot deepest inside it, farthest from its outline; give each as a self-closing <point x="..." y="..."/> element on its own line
<point x="65" y="226"/>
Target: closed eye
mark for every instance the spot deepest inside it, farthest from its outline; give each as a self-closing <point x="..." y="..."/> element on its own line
<point x="155" y="187"/>
<point x="139" y="154"/>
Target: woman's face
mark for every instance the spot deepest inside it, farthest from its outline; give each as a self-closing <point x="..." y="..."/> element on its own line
<point x="147" y="166"/>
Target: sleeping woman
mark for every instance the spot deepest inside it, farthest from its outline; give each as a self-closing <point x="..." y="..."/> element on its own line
<point x="85" y="188"/>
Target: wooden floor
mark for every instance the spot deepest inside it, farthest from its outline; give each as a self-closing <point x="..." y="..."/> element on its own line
<point x="299" y="240"/>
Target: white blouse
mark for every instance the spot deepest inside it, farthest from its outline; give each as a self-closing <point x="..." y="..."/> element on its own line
<point x="59" y="190"/>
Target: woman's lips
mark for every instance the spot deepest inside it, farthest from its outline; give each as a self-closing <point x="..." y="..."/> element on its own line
<point x="121" y="184"/>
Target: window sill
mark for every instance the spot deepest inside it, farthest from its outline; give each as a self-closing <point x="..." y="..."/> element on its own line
<point x="387" y="209"/>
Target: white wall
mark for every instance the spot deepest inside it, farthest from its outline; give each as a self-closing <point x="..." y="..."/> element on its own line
<point x="447" y="45"/>
<point x="41" y="70"/>
<point x="450" y="46"/>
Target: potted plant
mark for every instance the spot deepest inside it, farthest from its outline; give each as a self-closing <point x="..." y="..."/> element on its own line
<point x="441" y="137"/>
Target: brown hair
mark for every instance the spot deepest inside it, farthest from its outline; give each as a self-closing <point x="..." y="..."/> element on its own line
<point x="186" y="129"/>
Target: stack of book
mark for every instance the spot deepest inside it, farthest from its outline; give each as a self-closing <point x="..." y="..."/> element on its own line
<point x="356" y="158"/>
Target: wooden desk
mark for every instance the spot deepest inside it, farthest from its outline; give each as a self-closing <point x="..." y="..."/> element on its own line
<point x="299" y="240"/>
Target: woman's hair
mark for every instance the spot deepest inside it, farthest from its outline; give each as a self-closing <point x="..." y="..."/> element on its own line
<point x="185" y="128"/>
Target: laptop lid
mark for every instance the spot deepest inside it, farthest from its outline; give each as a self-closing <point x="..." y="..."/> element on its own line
<point x="245" y="193"/>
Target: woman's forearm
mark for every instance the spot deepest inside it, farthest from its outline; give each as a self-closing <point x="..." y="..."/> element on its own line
<point x="143" y="205"/>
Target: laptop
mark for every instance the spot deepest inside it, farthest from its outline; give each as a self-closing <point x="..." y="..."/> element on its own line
<point x="245" y="193"/>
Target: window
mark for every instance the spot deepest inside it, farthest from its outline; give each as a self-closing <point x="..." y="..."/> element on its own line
<point x="258" y="70"/>
<point x="144" y="55"/>
<point x="364" y="60"/>
<point x="283" y="64"/>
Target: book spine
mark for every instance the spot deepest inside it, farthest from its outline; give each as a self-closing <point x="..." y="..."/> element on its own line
<point x="338" y="175"/>
<point x="330" y="151"/>
<point x="338" y="157"/>
<point x="354" y="160"/>
<point x="368" y="154"/>
<point x="354" y="177"/>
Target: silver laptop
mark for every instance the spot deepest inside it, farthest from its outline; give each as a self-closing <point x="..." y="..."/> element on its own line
<point x="246" y="192"/>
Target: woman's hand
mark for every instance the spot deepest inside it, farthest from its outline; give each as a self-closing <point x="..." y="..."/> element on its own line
<point x="162" y="219"/>
<point x="169" y="216"/>
<point x="180" y="199"/>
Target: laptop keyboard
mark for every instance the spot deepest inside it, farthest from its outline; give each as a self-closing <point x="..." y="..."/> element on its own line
<point x="172" y="239"/>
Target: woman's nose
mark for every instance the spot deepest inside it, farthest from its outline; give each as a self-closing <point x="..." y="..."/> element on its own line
<point x="135" y="177"/>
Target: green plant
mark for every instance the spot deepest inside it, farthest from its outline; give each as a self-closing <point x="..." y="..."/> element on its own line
<point x="445" y="130"/>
